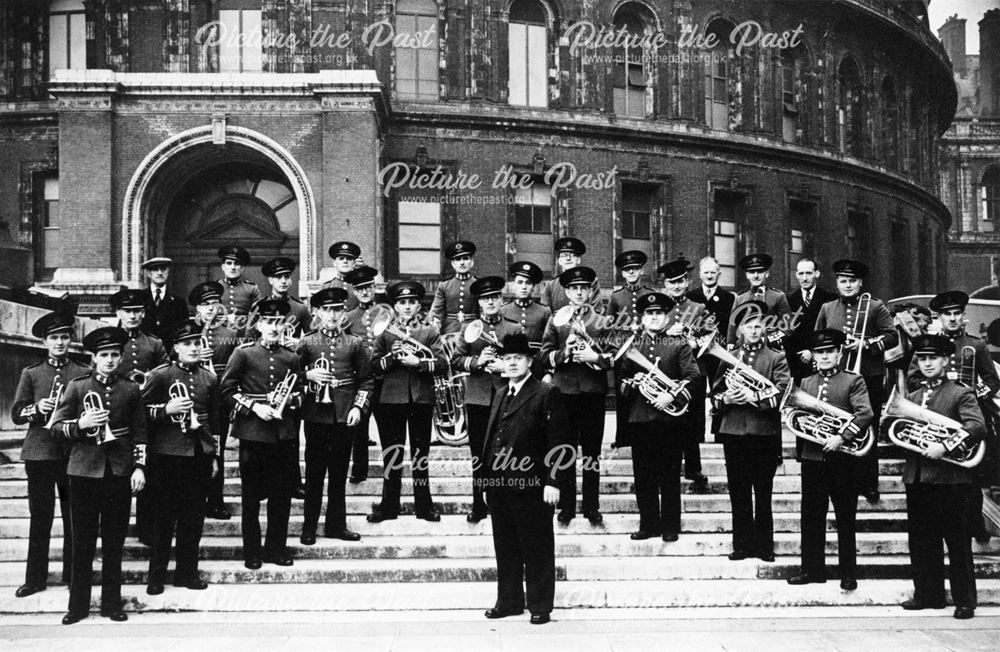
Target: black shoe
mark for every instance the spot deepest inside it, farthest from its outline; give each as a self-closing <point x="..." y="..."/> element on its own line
<point x="154" y="588"/>
<point x="964" y="613"/>
<point x="642" y="535"/>
<point x="25" y="590"/>
<point x="699" y="486"/>
<point x="872" y="496"/>
<point x="307" y="538"/>
<point x="737" y="555"/>
<point x="118" y="615"/>
<point x="669" y="536"/>
<point x="565" y="516"/>
<point x="196" y="584"/>
<point x="71" y="618"/>
<point x="357" y="479"/>
<point x="982" y="537"/>
<point x="218" y="513"/>
<point x="146" y="541"/>
<point x="803" y="578"/>
<point x="252" y="564"/>
<point x="284" y="559"/>
<point x="495" y="613"/>
<point x="299" y="493"/>
<point x="371" y="442"/>
<point x="475" y="517"/>
<point x="918" y="605"/>
<point x="343" y="535"/>
<point x="539" y="619"/>
<point x="594" y="516"/>
<point x="377" y="516"/>
<point x="768" y="557"/>
<point x="848" y="584"/>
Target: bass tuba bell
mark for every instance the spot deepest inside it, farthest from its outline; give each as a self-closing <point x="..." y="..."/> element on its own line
<point x="915" y="428"/>
<point x="814" y="420"/>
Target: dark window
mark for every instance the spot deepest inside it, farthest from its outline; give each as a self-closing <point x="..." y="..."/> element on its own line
<point x="801" y="227"/>
<point x="729" y="207"/>
<point x="990" y="194"/>
<point x="850" y="120"/>
<point x="417" y="57"/>
<point x="858" y="236"/>
<point x="629" y="73"/>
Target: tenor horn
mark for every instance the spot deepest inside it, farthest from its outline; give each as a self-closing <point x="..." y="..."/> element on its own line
<point x="817" y="421"/>
<point x="915" y="428"/>
<point x="739" y="375"/>
<point x="653" y="384"/>
<point x="92" y="403"/>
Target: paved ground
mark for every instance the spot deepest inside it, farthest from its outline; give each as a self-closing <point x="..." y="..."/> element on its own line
<point x="815" y="629"/>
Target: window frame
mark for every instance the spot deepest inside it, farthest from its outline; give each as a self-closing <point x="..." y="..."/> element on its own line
<point x="429" y="13"/>
<point x="532" y="78"/>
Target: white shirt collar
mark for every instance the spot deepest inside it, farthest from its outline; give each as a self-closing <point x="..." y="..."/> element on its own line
<point x="516" y="387"/>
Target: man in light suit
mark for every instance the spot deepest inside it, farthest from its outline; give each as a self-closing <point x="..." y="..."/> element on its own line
<point x="527" y="449"/>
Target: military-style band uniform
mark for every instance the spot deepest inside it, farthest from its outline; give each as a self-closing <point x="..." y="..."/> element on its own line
<point x="528" y="314"/>
<point x="239" y="294"/>
<point x="776" y="301"/>
<point x="328" y="438"/>
<point x="100" y="476"/>
<point x="268" y="449"/>
<point x="829" y="477"/>
<point x="181" y="460"/>
<point x="553" y="295"/>
<point x="45" y="455"/>
<point x="339" y="280"/>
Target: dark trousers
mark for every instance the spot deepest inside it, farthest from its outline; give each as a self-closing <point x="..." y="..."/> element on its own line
<point x="525" y="548"/>
<point x="824" y="482"/>
<point x="44" y="476"/>
<point x="938" y="513"/>
<point x="179" y="486"/>
<point x="328" y="450"/>
<point x="866" y="472"/>
<point x="266" y="473"/>
<point x="656" y="465"/>
<point x="479" y="418"/>
<point x="359" y="448"/>
<point x="586" y="422"/>
<point x="98" y="506"/>
<point x="693" y="427"/>
<point x="393" y="420"/>
<point x="144" y="517"/>
<point x="216" y="499"/>
<point x="751" y="461"/>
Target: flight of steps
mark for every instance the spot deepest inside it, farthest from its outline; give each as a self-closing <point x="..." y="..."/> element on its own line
<point x="410" y="564"/>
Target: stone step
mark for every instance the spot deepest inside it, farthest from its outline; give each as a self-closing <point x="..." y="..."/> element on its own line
<point x="596" y="594"/>
<point x="458" y="547"/>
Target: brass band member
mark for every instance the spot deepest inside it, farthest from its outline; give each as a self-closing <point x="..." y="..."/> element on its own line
<point x="359" y="322"/>
<point x="527" y="427"/>
<point x="878" y="334"/>
<point x="758" y="268"/>
<point x="267" y="431"/>
<point x="278" y="272"/>
<point x="481" y="360"/>
<point x="338" y="367"/>
<point x="938" y="493"/>
<point x="182" y="407"/>
<point x="806" y="302"/>
<point x="238" y="293"/>
<point x="657" y="437"/>
<point x="164" y="311"/>
<point x="103" y="416"/>
<point x="407" y="368"/>
<point x="453" y="304"/>
<point x="219" y="343"/>
<point x="527" y="313"/>
<point x="45" y="455"/>
<point x="581" y="375"/>
<point x="827" y="473"/>
<point x="345" y="257"/>
<point x="569" y="253"/>
<point x="750" y="432"/>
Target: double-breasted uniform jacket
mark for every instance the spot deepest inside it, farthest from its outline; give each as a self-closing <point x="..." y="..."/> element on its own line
<point x="523" y="442"/>
<point x="959" y="404"/>
<point x="719" y="305"/>
<point x="777" y="306"/>
<point x="350" y="364"/>
<point x="238" y="296"/>
<point x="623" y="302"/>
<point x="880" y="333"/>
<point x="530" y="316"/>
<point x="299" y="311"/>
<point x="127" y="419"/>
<point x="163" y="320"/>
<point x="34" y="385"/>
<point x="166" y="437"/>
<point x="142" y="352"/>
<point x="672" y="356"/>
<point x="403" y="384"/>
<point x="480" y="384"/>
<point x="359" y="321"/>
<point x="253" y="372"/>
<point x="454" y="304"/>
<point x="985" y="371"/>
<point x="842" y="389"/>
<point x="570" y="376"/>
<point x="760" y="417"/>
<point x="338" y="282"/>
<point x="223" y="341"/>
<point x="553" y="294"/>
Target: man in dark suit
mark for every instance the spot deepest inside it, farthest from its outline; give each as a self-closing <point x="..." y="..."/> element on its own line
<point x="718" y="303"/>
<point x="805" y="302"/>
<point x="165" y="312"/>
<point x="527" y="449"/>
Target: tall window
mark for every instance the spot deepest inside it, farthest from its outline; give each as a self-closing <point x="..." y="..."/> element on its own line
<point x="67" y="36"/>
<point x="417" y="56"/>
<point x="533" y="225"/>
<point x="637" y="218"/>
<point x="849" y="109"/>
<point x="717" y="71"/>
<point x="528" y="54"/>
<point x="419" y="237"/>
<point x="240" y="37"/>
<point x="989" y="192"/>
<point x="858" y="237"/>
<point x="629" y="74"/>
<point x="48" y="246"/>
<point x="890" y="124"/>
<point x="789" y="103"/>
<point x="801" y="228"/>
<point x="725" y="242"/>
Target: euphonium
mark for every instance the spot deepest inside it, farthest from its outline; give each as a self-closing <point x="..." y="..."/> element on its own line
<point x="450" y="419"/>
<point x="278" y="398"/>
<point x="654" y="383"/>
<point x="567" y="316"/>
<point x="92" y="403"/>
<point x="739" y="375"/>
<point x="915" y="428"/>
<point x="322" y="390"/>
<point x="55" y="394"/>
<point x="814" y="420"/>
<point x="187" y="421"/>
<point x="858" y="333"/>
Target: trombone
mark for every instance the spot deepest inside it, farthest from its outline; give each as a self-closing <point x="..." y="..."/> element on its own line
<point x="865" y="302"/>
<point x="187" y="421"/>
<point x="92" y="403"/>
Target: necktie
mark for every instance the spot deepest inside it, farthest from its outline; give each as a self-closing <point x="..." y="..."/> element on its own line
<point x="807" y="298"/>
<point x="157" y="299"/>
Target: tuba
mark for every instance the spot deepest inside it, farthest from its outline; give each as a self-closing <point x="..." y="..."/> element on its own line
<point x="915" y="428"/>
<point x="739" y="375"/>
<point x="814" y="420"/>
<point x="566" y="316"/>
<point x="322" y="390"/>
<point x="56" y="394"/>
<point x="92" y="403"/>
<point x="188" y="422"/>
<point x="654" y="383"/>
<point x="450" y="417"/>
<point x="853" y="364"/>
<point x="278" y="398"/>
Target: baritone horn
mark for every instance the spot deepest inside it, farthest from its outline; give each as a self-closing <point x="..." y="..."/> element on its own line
<point x="653" y="384"/>
<point x="92" y="403"/>
<point x="55" y="395"/>
<point x="817" y="421"/>
<point x="915" y="428"/>
<point x="739" y="375"/>
<point x="187" y="421"/>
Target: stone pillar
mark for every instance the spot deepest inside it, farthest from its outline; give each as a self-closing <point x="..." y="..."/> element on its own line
<point x="952" y="35"/>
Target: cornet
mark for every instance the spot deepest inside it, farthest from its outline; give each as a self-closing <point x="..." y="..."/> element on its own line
<point x="567" y="316"/>
<point x="322" y="390"/>
<point x="278" y="398"/>
<point x="187" y="421"/>
<point x="55" y="394"/>
<point x="915" y="428"/>
<point x="817" y="421"/>
<point x="92" y="403"/>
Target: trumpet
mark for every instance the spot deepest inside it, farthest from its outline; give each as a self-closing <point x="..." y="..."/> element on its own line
<point x="915" y="428"/>
<point x="55" y="395"/>
<point x="406" y="344"/>
<point x="92" y="403"/>
<point x="450" y="415"/>
<point x="739" y="375"/>
<point x="814" y="420"/>
<point x="187" y="421"/>
<point x="654" y="383"/>
<point x="322" y="390"/>
<point x="864" y="308"/>
<point x="278" y="398"/>
<point x="581" y="340"/>
<point x="140" y="377"/>
<point x="205" y="345"/>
